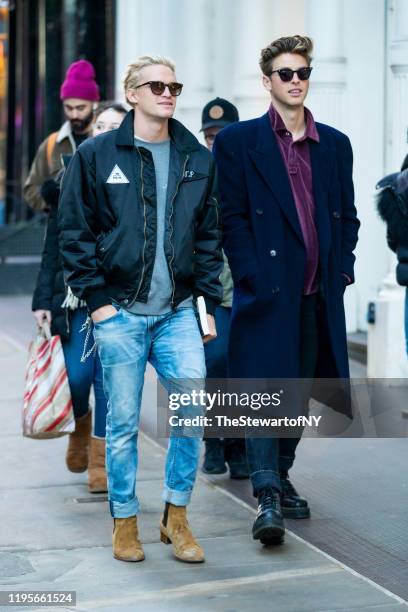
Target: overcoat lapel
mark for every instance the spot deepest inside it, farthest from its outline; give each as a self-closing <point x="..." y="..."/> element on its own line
<point x="269" y="163"/>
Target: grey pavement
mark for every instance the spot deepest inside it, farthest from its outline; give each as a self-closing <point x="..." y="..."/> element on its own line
<point x="54" y="535"/>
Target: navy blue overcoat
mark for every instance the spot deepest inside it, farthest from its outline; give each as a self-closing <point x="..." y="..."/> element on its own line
<point x="266" y="252"/>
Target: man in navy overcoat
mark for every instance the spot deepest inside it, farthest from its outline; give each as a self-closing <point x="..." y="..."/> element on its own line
<point x="290" y="229"/>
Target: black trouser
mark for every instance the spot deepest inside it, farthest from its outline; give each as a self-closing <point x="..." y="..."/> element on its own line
<point x="268" y="458"/>
<point x="216" y="355"/>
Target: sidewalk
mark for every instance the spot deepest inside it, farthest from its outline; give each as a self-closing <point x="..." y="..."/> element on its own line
<point x="54" y="535"/>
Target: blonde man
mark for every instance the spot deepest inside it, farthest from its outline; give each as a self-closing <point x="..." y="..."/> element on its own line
<point x="140" y="239"/>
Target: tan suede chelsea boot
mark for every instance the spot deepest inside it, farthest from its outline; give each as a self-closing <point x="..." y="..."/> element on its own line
<point x="174" y="529"/>
<point x="125" y="540"/>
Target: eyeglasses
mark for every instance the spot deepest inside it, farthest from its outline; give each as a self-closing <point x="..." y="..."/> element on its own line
<point x="158" y="87"/>
<point x="286" y="74"/>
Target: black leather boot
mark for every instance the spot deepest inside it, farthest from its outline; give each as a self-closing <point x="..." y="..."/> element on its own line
<point x="293" y="506"/>
<point x="269" y="526"/>
<point x="235" y="456"/>
<point x="214" y="458"/>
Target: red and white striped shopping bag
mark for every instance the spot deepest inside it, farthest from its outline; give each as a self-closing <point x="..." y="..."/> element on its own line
<point x="47" y="410"/>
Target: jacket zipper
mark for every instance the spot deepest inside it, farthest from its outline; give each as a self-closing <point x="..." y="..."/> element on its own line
<point x="144" y="232"/>
<point x="172" y="230"/>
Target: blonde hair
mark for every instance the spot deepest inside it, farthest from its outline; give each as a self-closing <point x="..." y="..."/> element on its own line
<point x="131" y="78"/>
<point x="302" y="45"/>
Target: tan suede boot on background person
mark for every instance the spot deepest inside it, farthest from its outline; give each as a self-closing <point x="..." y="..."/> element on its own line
<point x="174" y="529"/>
<point x="97" y="482"/>
<point x="78" y="443"/>
<point x="125" y="540"/>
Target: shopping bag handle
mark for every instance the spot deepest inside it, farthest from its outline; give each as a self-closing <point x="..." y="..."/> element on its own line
<point x="44" y="330"/>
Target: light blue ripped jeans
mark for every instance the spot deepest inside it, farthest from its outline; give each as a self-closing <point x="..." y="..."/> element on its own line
<point x="126" y="342"/>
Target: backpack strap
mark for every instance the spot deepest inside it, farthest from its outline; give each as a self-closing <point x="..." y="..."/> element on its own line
<point x="51" y="140"/>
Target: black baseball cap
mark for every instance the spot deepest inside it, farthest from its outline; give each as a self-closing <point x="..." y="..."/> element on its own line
<point x="218" y="113"/>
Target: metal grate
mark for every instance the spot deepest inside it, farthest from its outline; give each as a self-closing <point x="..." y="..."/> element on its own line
<point x="91" y="500"/>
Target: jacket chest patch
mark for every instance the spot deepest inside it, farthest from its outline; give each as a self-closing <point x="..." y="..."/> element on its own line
<point x="192" y="175"/>
<point x="117" y="176"/>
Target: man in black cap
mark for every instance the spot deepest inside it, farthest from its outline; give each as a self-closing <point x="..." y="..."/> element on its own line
<point x="217" y="114"/>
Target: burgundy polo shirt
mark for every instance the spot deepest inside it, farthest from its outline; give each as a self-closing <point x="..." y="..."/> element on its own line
<point x="296" y="157"/>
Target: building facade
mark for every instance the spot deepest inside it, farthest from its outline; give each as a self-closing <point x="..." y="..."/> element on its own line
<point x="359" y="85"/>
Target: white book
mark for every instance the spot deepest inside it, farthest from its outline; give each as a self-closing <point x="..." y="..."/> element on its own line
<point x="202" y="314"/>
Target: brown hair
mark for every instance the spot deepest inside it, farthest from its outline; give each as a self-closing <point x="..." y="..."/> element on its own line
<point x="131" y="78"/>
<point x="109" y="105"/>
<point x="302" y="45"/>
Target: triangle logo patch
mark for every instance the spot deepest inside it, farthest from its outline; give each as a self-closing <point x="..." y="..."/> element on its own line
<point x="116" y="176"/>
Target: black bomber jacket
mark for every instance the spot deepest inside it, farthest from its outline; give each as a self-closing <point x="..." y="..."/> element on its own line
<point x="107" y="220"/>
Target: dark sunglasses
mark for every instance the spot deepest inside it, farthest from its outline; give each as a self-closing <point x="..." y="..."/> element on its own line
<point x="286" y="74"/>
<point x="158" y="87"/>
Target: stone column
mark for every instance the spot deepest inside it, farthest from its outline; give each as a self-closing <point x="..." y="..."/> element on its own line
<point x="325" y="25"/>
<point x="223" y="49"/>
<point x="251" y="32"/>
<point x="128" y="33"/>
<point x="193" y="26"/>
<point x="398" y="82"/>
<point x="386" y="343"/>
<point x="142" y="28"/>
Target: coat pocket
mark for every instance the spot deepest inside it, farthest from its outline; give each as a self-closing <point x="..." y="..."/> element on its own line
<point x="105" y="248"/>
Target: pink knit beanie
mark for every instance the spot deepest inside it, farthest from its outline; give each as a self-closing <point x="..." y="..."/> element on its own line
<point x="80" y="82"/>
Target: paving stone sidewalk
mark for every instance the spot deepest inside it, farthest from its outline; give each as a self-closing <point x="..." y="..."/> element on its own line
<point x="54" y="535"/>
